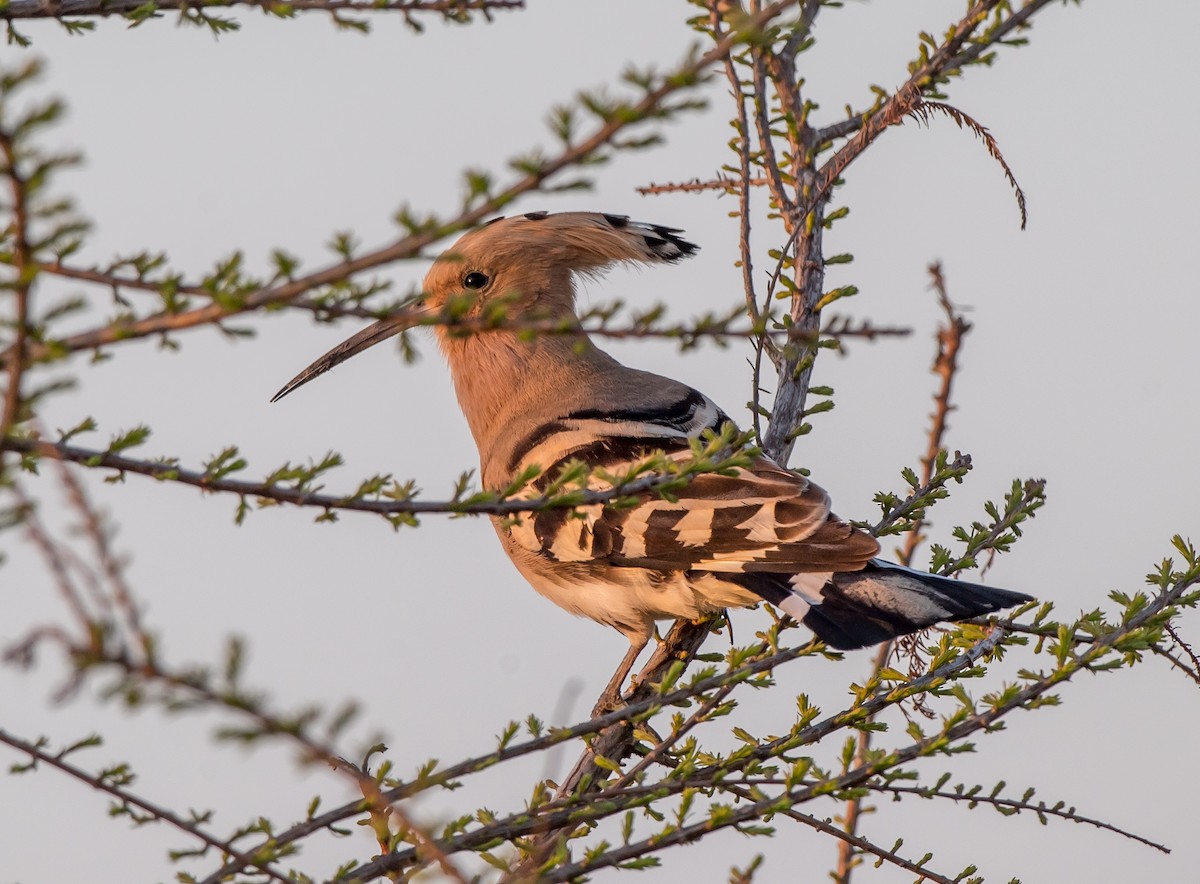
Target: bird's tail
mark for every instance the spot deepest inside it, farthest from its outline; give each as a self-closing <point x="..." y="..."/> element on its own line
<point x="854" y="609"/>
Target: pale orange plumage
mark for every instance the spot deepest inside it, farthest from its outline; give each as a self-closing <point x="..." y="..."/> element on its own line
<point x="762" y="533"/>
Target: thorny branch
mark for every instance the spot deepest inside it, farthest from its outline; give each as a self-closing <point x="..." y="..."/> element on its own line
<point x="1192" y="667"/>
<point x="996" y="35"/>
<point x="745" y="252"/>
<point x="862" y="845"/>
<point x="457" y="9"/>
<point x="126" y="799"/>
<point x="945" y="365"/>
<point x="604" y="322"/>
<point x="960" y="794"/>
<point x="378" y="503"/>
<point x="725" y="185"/>
<point x="23" y="272"/>
<point x="1059" y="810"/>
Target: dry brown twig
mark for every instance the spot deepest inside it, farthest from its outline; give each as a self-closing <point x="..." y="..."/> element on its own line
<point x="1192" y="668"/>
<point x="924" y="111"/>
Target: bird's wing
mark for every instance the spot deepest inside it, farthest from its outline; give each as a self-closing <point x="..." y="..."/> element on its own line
<point x="760" y="518"/>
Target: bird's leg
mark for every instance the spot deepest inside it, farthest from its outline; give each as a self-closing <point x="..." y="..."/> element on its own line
<point x="611" y="698"/>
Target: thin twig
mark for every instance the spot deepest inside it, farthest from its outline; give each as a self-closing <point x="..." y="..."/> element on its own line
<point x="1187" y="649"/>
<point x="166" y="815"/>
<point x="171" y="472"/>
<point x="34" y="9"/>
<point x="1041" y="808"/>
<point x="727" y="185"/>
<point x="746" y="257"/>
<point x="854" y="842"/>
<point x="945" y="365"/>
<point x="23" y="267"/>
<point x="112" y="569"/>
<point x="597" y="322"/>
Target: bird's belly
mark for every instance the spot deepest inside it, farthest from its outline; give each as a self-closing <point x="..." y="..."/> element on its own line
<point x="629" y="599"/>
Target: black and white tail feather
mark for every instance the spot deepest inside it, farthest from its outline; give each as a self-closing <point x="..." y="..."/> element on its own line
<point x="857" y="609"/>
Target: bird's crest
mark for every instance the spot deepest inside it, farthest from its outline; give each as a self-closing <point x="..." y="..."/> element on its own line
<point x="538" y="251"/>
<point x="581" y="240"/>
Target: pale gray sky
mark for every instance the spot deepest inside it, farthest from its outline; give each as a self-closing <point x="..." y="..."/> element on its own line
<point x="1081" y="369"/>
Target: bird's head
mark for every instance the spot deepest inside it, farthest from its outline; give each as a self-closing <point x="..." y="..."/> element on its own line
<point x="524" y="264"/>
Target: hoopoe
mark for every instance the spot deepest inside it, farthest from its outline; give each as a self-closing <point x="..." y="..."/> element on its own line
<point x="763" y="533"/>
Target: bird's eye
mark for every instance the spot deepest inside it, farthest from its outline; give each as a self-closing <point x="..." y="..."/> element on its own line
<point x="475" y="280"/>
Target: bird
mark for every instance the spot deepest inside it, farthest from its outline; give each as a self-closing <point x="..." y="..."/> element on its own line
<point x="538" y="403"/>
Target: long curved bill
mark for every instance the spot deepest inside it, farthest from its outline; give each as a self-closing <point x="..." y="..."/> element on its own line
<point x="385" y="328"/>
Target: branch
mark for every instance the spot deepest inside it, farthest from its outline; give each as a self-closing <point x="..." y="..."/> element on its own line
<point x="599" y="321"/>
<point x="24" y="270"/>
<point x="1015" y="805"/>
<point x="850" y="840"/>
<point x="945" y="365"/>
<point x="1050" y="631"/>
<point x="1192" y="667"/>
<point x="485" y="503"/>
<point x="35" y="9"/>
<point x="924" y="112"/>
<point x="127" y="798"/>
<point x="946" y="65"/>
<point x="745" y="251"/>
<point x="147" y="670"/>
<point x="726" y="185"/>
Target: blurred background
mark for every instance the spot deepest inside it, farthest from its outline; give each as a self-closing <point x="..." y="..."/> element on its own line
<point x="1081" y="369"/>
